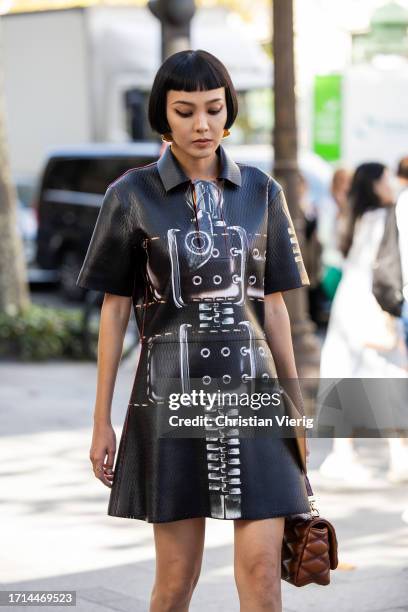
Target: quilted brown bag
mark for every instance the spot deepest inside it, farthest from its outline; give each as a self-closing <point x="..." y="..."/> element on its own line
<point x="309" y="547"/>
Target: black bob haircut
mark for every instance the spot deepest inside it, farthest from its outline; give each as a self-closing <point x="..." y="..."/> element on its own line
<point x="189" y="70"/>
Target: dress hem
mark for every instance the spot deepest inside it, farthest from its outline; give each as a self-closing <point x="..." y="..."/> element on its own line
<point x="142" y="517"/>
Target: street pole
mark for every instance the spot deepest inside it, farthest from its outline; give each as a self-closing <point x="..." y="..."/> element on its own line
<point x="286" y="166"/>
<point x="175" y="17"/>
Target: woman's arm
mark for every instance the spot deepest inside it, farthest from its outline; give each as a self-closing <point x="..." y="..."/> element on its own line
<point x="113" y="324"/>
<point x="114" y="320"/>
<point x="279" y="337"/>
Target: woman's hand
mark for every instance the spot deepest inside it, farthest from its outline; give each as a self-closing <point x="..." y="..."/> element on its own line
<point x="103" y="443"/>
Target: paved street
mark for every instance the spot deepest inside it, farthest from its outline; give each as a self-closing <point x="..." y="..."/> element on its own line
<point x="56" y="534"/>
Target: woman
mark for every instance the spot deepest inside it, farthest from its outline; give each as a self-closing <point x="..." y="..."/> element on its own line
<point x="362" y="340"/>
<point x="332" y="215"/>
<point x="203" y="248"/>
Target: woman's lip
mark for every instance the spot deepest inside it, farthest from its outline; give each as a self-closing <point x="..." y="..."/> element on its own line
<point x="203" y="140"/>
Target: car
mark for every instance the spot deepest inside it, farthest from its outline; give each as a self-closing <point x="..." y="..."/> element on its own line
<point x="26" y="220"/>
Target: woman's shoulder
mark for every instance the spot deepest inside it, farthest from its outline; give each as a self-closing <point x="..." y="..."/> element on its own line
<point x="373" y="218"/>
<point x="376" y="213"/>
<point x="254" y="171"/>
<point x="369" y="228"/>
<point x="134" y="175"/>
<point x="257" y="175"/>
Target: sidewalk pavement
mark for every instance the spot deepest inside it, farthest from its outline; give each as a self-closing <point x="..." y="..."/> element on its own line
<point x="56" y="533"/>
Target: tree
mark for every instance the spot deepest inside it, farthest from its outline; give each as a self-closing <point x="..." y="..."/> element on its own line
<point x="14" y="292"/>
<point x="286" y="163"/>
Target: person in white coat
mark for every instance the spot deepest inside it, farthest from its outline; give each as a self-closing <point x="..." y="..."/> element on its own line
<point x="362" y="340"/>
<point x="401" y="213"/>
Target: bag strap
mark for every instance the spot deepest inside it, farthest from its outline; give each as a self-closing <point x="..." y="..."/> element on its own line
<point x="312" y="499"/>
<point x="308" y="486"/>
<point x="309" y="490"/>
<point x="332" y="533"/>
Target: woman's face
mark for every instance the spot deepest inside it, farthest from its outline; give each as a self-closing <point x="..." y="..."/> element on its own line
<point x="195" y="115"/>
<point x="383" y="188"/>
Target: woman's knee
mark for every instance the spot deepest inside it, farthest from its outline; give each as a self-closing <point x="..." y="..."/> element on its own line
<point x="174" y="587"/>
<point x="261" y="575"/>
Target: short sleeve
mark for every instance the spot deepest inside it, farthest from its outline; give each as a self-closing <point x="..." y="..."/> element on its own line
<point x="109" y="263"/>
<point x="284" y="266"/>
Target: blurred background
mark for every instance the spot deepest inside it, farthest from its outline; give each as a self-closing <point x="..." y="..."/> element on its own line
<point x="323" y="99"/>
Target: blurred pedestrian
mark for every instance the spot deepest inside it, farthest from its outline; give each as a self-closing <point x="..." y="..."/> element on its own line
<point x="401" y="212"/>
<point x="362" y="340"/>
<point x="311" y="249"/>
<point x="331" y="225"/>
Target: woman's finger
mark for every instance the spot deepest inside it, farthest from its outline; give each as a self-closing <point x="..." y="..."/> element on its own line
<point x="99" y="471"/>
<point x="110" y="460"/>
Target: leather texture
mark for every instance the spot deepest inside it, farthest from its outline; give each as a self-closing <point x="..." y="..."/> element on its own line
<point x="197" y="257"/>
<point x="309" y="550"/>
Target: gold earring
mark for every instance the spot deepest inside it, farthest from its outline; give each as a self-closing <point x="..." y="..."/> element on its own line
<point x="166" y="137"/>
<point x="226" y="133"/>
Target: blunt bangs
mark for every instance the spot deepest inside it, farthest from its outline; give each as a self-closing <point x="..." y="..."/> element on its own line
<point x="190" y="70"/>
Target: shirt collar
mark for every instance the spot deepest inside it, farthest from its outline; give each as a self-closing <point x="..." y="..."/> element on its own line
<point x="172" y="174"/>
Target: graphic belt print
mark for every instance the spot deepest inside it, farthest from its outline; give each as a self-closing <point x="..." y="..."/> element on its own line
<point x="208" y="279"/>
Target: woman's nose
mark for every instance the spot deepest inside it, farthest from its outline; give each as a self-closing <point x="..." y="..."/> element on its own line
<point x="202" y="123"/>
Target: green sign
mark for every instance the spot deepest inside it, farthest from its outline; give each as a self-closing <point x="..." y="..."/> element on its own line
<point x="327" y="116"/>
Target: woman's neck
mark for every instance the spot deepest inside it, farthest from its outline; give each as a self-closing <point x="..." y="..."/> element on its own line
<point x="206" y="168"/>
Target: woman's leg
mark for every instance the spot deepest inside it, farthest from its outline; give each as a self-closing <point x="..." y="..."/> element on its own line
<point x="179" y="550"/>
<point x="257" y="563"/>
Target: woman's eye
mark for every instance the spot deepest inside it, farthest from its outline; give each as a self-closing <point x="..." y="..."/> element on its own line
<point x="212" y="112"/>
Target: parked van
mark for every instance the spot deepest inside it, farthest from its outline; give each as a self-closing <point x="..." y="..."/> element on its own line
<point x="71" y="191"/>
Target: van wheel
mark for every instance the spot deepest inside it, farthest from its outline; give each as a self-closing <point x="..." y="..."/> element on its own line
<point x="69" y="270"/>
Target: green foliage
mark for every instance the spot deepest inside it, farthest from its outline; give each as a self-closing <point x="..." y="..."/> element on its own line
<point x="40" y="333"/>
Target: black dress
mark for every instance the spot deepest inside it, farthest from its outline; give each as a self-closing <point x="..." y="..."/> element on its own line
<point x="197" y="257"/>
